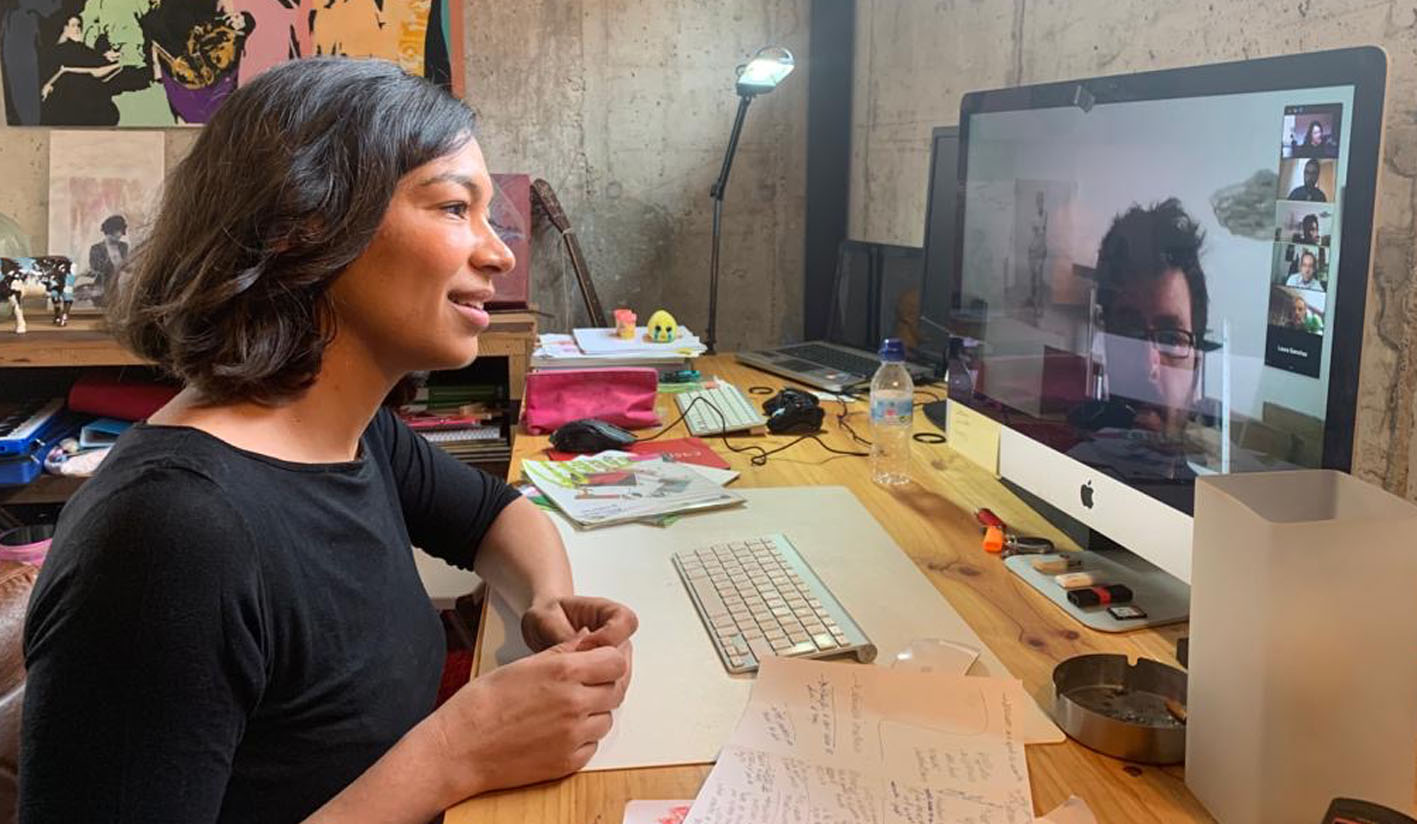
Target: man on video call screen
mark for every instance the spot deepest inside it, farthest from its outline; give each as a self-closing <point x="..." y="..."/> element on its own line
<point x="1122" y="273"/>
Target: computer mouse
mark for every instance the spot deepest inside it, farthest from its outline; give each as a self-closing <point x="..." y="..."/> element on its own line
<point x="936" y="655"/>
<point x="589" y="435"/>
<point x="793" y="412"/>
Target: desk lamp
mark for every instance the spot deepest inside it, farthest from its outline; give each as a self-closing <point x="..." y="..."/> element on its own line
<point x="759" y="76"/>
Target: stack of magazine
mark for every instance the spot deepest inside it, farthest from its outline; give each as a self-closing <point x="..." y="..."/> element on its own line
<point x="465" y="419"/>
<point x="613" y="488"/>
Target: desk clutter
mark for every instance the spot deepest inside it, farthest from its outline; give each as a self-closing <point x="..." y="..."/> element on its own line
<point x="463" y="417"/>
<point x="67" y="429"/>
<point x="616" y="487"/>
<point x="660" y="344"/>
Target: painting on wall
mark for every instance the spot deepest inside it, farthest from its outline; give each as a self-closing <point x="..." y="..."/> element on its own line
<point x="103" y="192"/>
<point x="150" y="63"/>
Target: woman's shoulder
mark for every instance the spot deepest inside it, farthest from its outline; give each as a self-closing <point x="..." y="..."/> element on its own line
<point x="158" y="479"/>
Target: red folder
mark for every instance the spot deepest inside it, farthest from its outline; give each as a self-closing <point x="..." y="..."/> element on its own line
<point x="683" y="450"/>
<point x="104" y="393"/>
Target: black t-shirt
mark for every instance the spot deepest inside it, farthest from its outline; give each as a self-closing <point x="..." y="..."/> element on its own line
<point x="223" y="636"/>
<point x="1310" y="193"/>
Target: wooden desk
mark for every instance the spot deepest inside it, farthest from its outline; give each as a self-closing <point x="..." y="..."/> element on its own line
<point x="932" y="520"/>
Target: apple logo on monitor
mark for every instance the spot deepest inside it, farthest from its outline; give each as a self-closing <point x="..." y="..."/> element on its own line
<point x="1085" y="492"/>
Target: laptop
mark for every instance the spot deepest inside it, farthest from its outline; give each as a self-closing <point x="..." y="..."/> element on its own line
<point x="877" y="295"/>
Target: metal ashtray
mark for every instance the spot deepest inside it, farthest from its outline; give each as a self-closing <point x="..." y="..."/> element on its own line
<point x="1135" y="712"/>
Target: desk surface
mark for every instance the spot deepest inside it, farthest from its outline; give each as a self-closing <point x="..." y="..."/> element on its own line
<point x="932" y="520"/>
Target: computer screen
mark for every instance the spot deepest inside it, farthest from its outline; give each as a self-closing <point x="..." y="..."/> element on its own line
<point x="1157" y="285"/>
<point x="938" y="284"/>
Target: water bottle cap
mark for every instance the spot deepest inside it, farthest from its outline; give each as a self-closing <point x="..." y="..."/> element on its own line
<point x="892" y="350"/>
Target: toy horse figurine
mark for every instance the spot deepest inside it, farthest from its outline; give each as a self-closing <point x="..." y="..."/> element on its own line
<point x="51" y="276"/>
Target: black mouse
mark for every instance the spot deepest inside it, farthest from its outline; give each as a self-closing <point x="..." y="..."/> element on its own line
<point x="793" y="412"/>
<point x="589" y="435"/>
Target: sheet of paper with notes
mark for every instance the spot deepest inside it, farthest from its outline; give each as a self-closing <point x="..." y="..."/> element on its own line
<point x="837" y="743"/>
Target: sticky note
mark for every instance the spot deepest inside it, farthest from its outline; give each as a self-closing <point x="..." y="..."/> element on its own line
<point x="975" y="436"/>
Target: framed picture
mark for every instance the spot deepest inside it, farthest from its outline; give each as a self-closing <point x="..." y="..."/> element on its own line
<point x="104" y="188"/>
<point x="140" y="63"/>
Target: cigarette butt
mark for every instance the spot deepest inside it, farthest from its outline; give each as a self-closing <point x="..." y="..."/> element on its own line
<point x="1177" y="709"/>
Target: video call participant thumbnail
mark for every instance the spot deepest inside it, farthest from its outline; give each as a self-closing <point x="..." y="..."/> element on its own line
<point x="1292" y="309"/>
<point x="1312" y="180"/>
<point x="1310" y="224"/>
<point x="1307" y="274"/>
<point x="1310" y="190"/>
<point x="1311" y="131"/>
<point x="1300" y="267"/>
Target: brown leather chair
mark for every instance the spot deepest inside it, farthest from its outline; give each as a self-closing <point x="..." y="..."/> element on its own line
<point x="16" y="582"/>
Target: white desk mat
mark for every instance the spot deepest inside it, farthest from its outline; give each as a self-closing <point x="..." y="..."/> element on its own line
<point x="682" y="705"/>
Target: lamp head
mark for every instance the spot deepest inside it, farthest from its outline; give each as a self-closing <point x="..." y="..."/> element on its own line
<point x="767" y="68"/>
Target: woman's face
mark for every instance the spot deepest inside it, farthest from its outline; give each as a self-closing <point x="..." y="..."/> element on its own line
<point x="414" y="300"/>
<point x="73" y="30"/>
<point x="1316" y="133"/>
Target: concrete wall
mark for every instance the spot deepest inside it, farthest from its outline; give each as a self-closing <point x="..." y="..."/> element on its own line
<point x="624" y="106"/>
<point x="914" y="59"/>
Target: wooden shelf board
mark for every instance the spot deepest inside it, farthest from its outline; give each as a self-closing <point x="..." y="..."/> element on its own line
<point x="46" y="489"/>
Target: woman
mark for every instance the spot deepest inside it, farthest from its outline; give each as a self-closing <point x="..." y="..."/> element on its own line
<point x="79" y="87"/>
<point x="107" y="257"/>
<point x="229" y="626"/>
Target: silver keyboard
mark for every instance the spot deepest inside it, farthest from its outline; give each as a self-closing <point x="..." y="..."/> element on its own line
<point x="722" y="409"/>
<point x="759" y="598"/>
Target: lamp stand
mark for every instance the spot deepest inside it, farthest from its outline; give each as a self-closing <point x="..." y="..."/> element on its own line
<point x="716" y="192"/>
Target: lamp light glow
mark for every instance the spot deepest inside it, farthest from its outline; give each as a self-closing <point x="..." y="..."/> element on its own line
<point x="767" y="68"/>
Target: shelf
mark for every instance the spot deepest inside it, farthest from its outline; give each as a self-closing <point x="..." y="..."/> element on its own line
<point x="46" y="489"/>
<point x="85" y="342"/>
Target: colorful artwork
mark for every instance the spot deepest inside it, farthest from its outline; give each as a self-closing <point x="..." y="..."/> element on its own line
<point x="171" y="62"/>
<point x="103" y="192"/>
<point x="511" y="217"/>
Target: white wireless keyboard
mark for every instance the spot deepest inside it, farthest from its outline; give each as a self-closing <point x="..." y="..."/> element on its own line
<point x="758" y="598"/>
<point x="718" y="410"/>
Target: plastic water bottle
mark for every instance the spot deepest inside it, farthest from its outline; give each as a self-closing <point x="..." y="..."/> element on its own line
<point x="892" y="404"/>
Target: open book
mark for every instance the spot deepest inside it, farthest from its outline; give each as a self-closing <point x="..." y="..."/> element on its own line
<point x="614" y="488"/>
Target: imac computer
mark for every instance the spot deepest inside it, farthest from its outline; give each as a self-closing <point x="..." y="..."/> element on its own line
<point x="1165" y="273"/>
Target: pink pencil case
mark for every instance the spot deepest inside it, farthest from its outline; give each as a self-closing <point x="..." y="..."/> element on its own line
<point x="623" y="396"/>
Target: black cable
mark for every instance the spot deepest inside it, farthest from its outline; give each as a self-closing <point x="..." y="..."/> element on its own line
<point x="846" y="413"/>
<point x="681" y="417"/>
<point x="761" y="458"/>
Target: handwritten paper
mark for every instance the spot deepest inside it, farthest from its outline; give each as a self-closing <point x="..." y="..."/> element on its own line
<point x="834" y="743"/>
